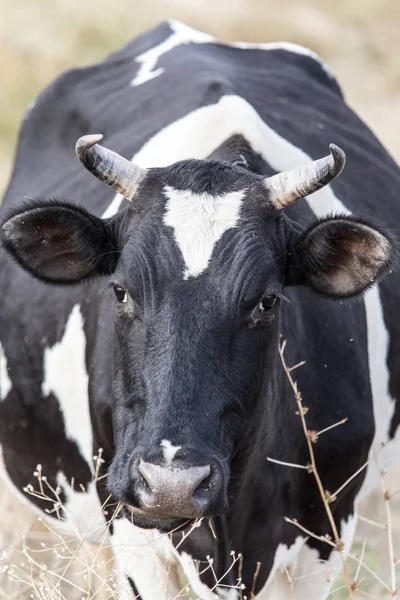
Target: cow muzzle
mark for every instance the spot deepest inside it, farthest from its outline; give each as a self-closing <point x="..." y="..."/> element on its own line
<point x="177" y="493"/>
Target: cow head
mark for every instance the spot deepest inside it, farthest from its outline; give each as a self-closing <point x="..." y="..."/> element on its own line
<point x="198" y="263"/>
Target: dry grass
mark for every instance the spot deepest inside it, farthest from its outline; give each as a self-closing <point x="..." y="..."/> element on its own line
<point x="39" y="39"/>
<point x="40" y="562"/>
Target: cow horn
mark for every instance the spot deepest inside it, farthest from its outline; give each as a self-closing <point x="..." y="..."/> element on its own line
<point x="289" y="186"/>
<point x="111" y="168"/>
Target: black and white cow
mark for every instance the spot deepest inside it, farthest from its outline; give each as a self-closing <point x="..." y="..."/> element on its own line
<point x="164" y="352"/>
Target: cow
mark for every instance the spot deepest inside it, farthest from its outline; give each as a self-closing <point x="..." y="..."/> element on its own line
<point x="149" y="322"/>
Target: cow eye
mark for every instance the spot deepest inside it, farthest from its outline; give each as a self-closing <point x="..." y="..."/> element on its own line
<point x="120" y="293"/>
<point x="267" y="302"/>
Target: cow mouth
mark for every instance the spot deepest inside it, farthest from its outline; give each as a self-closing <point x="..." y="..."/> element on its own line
<point x="164" y="524"/>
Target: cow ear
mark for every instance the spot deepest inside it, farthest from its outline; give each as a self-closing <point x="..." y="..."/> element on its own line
<point x="59" y="242"/>
<point x="341" y="256"/>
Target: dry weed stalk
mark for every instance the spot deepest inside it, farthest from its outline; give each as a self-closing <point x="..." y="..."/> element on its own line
<point x="392" y="560"/>
<point x="327" y="498"/>
<point x="311" y="438"/>
<point x="44" y="581"/>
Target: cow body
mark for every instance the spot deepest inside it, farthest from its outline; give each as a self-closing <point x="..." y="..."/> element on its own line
<point x="174" y="94"/>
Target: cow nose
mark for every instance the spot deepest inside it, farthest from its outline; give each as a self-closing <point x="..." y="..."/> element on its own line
<point x="177" y="492"/>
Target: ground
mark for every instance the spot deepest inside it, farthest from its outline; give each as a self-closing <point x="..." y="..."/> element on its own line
<point x="359" y="39"/>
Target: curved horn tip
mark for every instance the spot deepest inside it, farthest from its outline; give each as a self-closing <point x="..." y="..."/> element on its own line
<point x="338" y="154"/>
<point x="87" y="141"/>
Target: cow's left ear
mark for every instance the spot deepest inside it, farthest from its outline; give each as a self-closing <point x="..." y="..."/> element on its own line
<point x="341" y="256"/>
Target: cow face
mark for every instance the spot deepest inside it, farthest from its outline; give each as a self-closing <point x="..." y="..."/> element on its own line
<point x="197" y="264"/>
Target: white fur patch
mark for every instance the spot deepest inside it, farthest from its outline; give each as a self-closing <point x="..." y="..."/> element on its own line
<point x="287" y="46"/>
<point x="5" y="381"/>
<point x="227" y="593"/>
<point x="169" y="451"/>
<point x="146" y="556"/>
<point x="66" y="376"/>
<point x="202" y="131"/>
<point x="182" y="34"/>
<point x="284" y="555"/>
<point x="157" y="568"/>
<point x="312" y="578"/>
<point x="83" y="513"/>
<point x="200" y="589"/>
<point x="199" y="221"/>
<point x="383" y="455"/>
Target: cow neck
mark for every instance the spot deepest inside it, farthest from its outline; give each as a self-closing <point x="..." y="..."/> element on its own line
<point x="236" y="150"/>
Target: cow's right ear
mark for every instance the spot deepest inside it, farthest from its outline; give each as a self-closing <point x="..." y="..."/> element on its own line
<point x="59" y="242"/>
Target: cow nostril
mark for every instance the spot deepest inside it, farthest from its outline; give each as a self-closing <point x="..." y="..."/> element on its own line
<point x="206" y="485"/>
<point x="143" y="482"/>
<point x="210" y="484"/>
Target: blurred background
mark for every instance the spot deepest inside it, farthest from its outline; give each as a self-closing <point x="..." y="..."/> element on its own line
<point x="359" y="39"/>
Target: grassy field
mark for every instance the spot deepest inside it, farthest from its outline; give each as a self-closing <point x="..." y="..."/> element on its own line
<point x="359" y="39"/>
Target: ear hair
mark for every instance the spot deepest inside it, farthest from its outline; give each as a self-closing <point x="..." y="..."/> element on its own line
<point x="60" y="242"/>
<point x="342" y="256"/>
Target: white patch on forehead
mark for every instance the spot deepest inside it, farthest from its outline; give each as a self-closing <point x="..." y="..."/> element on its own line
<point x="66" y="376"/>
<point x="5" y="381"/>
<point x="169" y="451"/>
<point x="199" y="221"/>
<point x="182" y="34"/>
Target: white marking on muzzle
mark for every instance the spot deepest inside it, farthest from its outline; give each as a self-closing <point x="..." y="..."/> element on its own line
<point x="169" y="451"/>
